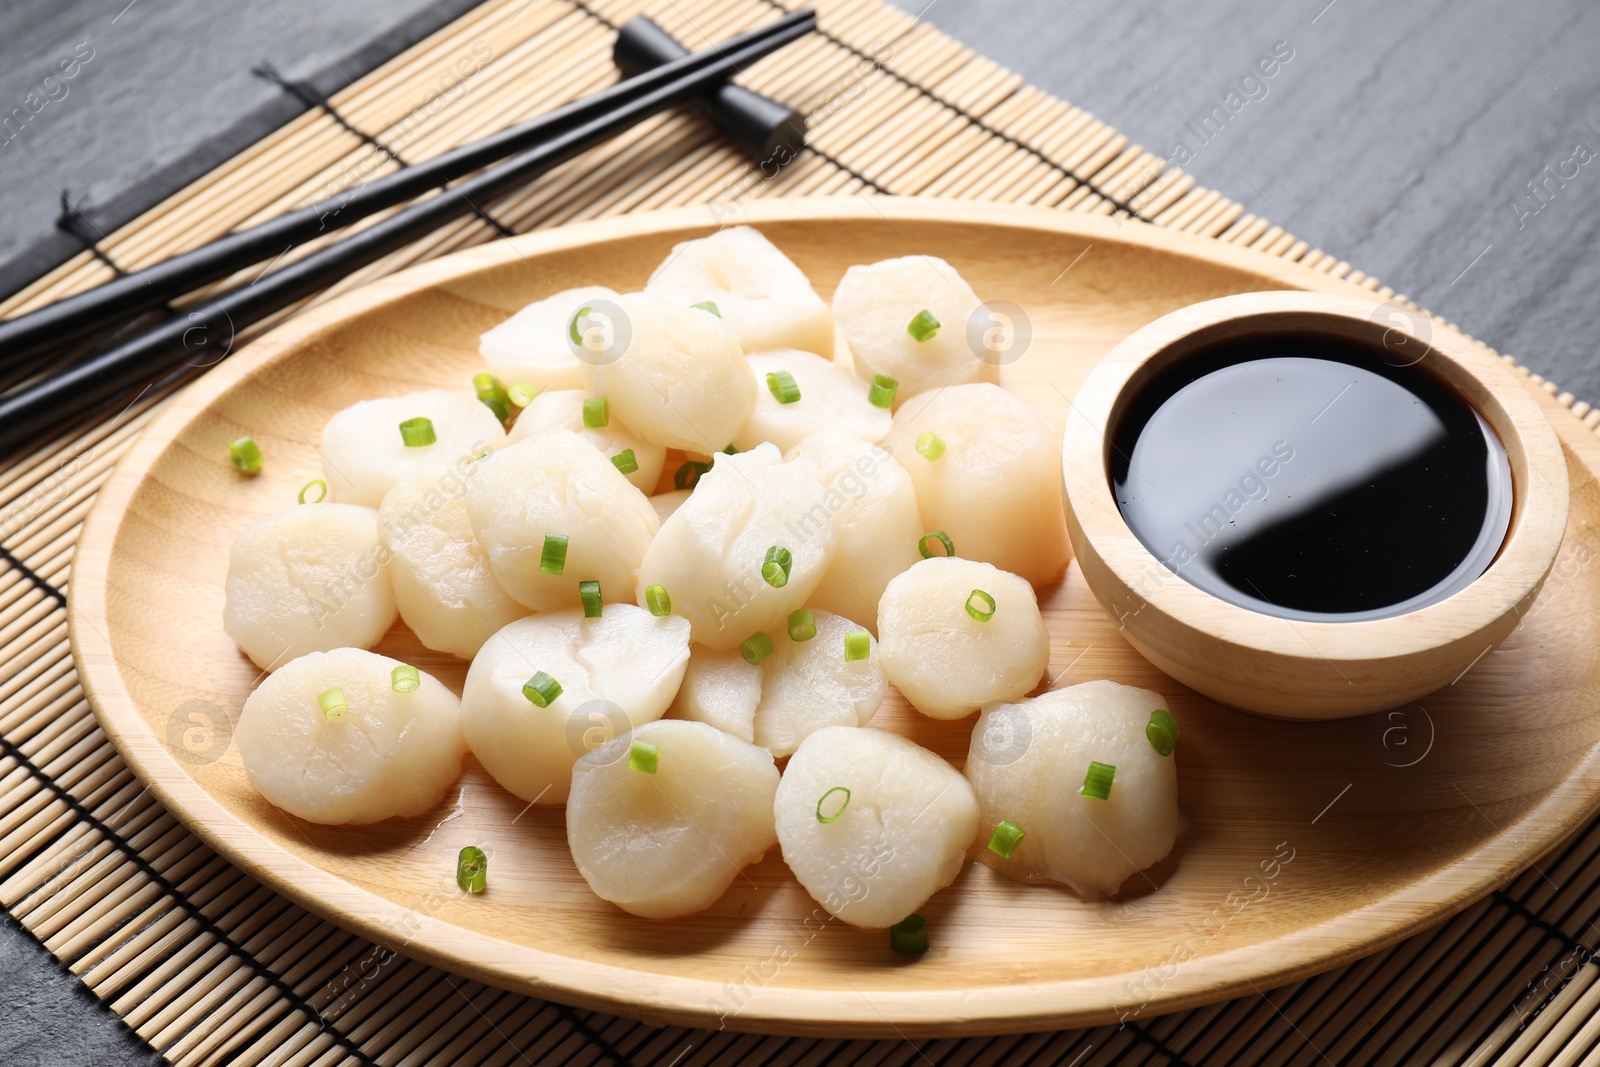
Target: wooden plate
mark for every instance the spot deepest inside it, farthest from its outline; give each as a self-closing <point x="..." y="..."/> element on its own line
<point x="1307" y="844"/>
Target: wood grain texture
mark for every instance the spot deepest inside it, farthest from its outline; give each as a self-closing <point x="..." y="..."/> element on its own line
<point x="1378" y="851"/>
<point x="1299" y="669"/>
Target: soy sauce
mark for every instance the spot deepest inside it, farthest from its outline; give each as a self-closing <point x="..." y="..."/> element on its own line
<point x="1312" y="478"/>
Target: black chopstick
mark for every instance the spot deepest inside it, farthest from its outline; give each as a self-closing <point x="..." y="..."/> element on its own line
<point x="111" y="304"/>
<point x="208" y="329"/>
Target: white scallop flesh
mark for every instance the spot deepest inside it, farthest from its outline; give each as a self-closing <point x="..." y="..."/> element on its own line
<point x="876" y="522"/>
<point x="830" y="398"/>
<point x="442" y="581"/>
<point x="557" y="483"/>
<point x="996" y="491"/>
<point x="616" y="672"/>
<point x="722" y="689"/>
<point x="1028" y="762"/>
<point x="901" y="838"/>
<point x="310" y="578"/>
<point x="761" y="294"/>
<point x="945" y="661"/>
<point x="364" y="455"/>
<point x="709" y="554"/>
<point x="562" y="409"/>
<point x="809" y="685"/>
<point x="535" y="347"/>
<point x="389" y="755"/>
<point x="667" y="503"/>
<point x="680" y="379"/>
<point x="875" y="304"/>
<point x="670" y="843"/>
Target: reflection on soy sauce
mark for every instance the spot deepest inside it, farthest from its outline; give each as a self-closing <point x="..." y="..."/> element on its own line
<point x="1311" y="478"/>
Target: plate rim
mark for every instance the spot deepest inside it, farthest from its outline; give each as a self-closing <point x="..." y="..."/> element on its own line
<point x="819" y="1011"/>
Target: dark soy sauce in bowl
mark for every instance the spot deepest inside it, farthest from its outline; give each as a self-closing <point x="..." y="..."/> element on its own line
<point x="1311" y="478"/>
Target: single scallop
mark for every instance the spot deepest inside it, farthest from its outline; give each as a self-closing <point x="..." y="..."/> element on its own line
<point x="877" y="524"/>
<point x="722" y="689"/>
<point x="810" y="684"/>
<point x="995" y="486"/>
<point x="364" y="452"/>
<point x="884" y="308"/>
<point x="872" y="824"/>
<point x="535" y="346"/>
<point x="609" y="674"/>
<point x="680" y="380"/>
<point x="830" y="397"/>
<point x="712" y="554"/>
<point x="442" y="581"/>
<point x="524" y="499"/>
<point x="669" y="840"/>
<point x="943" y="654"/>
<point x="765" y="299"/>
<point x="310" y="578"/>
<point x="1029" y="762"/>
<point x="375" y="753"/>
<point x="562" y="409"/>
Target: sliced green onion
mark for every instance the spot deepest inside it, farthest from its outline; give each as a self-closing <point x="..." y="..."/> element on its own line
<point x="572" y="327"/>
<point x="1097" y="783"/>
<point x="333" y="704"/>
<point x="541" y="689"/>
<point x="689" y="474"/>
<point x="625" y="462"/>
<point x="730" y="451"/>
<point x="708" y="305"/>
<point x="1005" y="839"/>
<point x="755" y="648"/>
<point x="590" y="592"/>
<point x="596" y="413"/>
<point x="939" y="536"/>
<point x="922" y="325"/>
<point x="522" y="394"/>
<point x="980" y="605"/>
<point x="322" y="491"/>
<point x="843" y="803"/>
<point x="405" y="679"/>
<point x="418" y="432"/>
<point x="909" y="936"/>
<point x="657" y="600"/>
<point x="1162" y="730"/>
<point x="492" y="394"/>
<point x="857" y="645"/>
<point x="802" y="625"/>
<point x="472" y="869"/>
<point x="881" y="393"/>
<point x="783" y="386"/>
<point x="775" y="568"/>
<point x="643" y="756"/>
<point x="930" y="446"/>
<point x="246" y="454"/>
<point x="553" y="560"/>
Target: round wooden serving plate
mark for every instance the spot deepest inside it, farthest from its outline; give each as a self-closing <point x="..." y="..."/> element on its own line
<point x="1307" y="844"/>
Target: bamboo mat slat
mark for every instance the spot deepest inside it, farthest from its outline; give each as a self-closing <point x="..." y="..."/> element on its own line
<point x="212" y="968"/>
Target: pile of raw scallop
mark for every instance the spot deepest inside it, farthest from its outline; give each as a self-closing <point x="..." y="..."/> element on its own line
<point x="687" y="537"/>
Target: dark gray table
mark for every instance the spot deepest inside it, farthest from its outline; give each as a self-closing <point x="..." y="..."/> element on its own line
<point x="1433" y="144"/>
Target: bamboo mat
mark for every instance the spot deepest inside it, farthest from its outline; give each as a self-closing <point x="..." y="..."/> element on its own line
<point x="211" y="968"/>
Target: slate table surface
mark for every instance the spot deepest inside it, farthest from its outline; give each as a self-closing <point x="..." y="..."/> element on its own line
<point x="1447" y="146"/>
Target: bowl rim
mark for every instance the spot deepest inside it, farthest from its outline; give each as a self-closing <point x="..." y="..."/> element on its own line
<point x="1101" y="536"/>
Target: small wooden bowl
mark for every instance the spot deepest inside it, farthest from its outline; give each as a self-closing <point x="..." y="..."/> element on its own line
<point x="1294" y="669"/>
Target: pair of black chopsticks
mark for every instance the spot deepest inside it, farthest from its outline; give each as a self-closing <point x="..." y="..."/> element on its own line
<point x="206" y="331"/>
